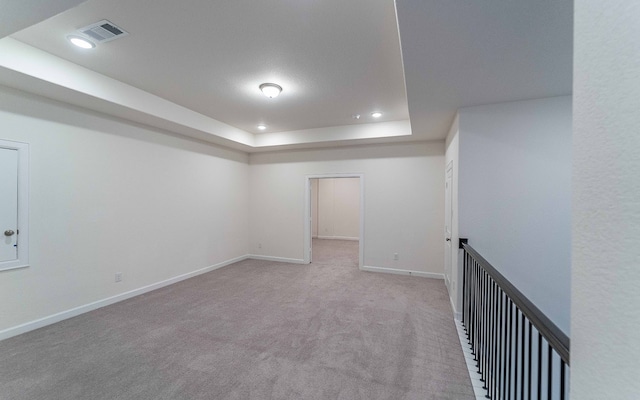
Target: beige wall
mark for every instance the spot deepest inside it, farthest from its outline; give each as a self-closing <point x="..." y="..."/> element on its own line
<point x="338" y="208"/>
<point x="403" y="201"/>
<point x="111" y="196"/>
<point x="314" y="208"/>
<point x="108" y="196"/>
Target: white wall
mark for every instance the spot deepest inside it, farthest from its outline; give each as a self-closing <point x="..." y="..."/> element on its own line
<point x="403" y="201"/>
<point x="605" y="318"/>
<point x="314" y="208"/>
<point x="452" y="156"/>
<point x="108" y="196"/>
<point x="338" y="208"/>
<point x="515" y="195"/>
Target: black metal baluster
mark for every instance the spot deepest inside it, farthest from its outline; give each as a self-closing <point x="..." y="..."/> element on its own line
<point x="515" y="356"/>
<point x="509" y="348"/>
<point x="471" y="285"/>
<point x="485" y="333"/>
<point x="539" y="366"/>
<point x="472" y="317"/>
<point x="530" y="365"/>
<point x="549" y="373"/>
<point x="479" y="326"/>
<point x="499" y="347"/>
<point x="504" y="346"/>
<point x="464" y="289"/>
<point x="496" y="299"/>
<point x="522" y="336"/>
<point x="474" y="311"/>
<point x="479" y="317"/>
<point x="562" y="372"/>
<point x="467" y="293"/>
<point x="490" y="339"/>
<point x="481" y="323"/>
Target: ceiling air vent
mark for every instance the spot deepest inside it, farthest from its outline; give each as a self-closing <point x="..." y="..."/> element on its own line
<point x="103" y="31"/>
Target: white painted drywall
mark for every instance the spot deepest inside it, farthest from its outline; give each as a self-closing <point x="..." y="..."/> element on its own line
<point x="605" y="317"/>
<point x="346" y="208"/>
<point x="17" y="15"/>
<point x="403" y="201"/>
<point x="314" y="208"/>
<point x="515" y="195"/>
<point x="326" y="197"/>
<point x="338" y="209"/>
<point x="108" y="196"/>
<point x="451" y="156"/>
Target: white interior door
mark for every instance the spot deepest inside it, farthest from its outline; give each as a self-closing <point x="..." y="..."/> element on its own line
<point x="448" y="221"/>
<point x="8" y="204"/>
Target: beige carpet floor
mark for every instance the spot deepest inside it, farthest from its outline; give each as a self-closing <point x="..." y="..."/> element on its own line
<point x="253" y="330"/>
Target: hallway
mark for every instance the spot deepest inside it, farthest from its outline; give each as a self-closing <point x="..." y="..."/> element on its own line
<point x="335" y="252"/>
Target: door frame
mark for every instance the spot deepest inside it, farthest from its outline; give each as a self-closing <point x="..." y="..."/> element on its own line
<point x="449" y="245"/>
<point x="22" y="259"/>
<point x="307" y="213"/>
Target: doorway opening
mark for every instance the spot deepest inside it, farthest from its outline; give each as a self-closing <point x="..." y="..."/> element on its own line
<point x="334" y="218"/>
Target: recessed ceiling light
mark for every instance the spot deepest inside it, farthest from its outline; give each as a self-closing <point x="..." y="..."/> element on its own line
<point x="81" y="42"/>
<point x="262" y="127"/>
<point x="376" y="114"/>
<point x="271" y="90"/>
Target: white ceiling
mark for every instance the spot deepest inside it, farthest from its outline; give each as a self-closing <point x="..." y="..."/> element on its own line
<point x="460" y="53"/>
<point x="16" y="15"/>
<point x="193" y="67"/>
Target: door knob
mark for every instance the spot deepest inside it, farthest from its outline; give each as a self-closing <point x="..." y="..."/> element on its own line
<point x="9" y="232"/>
<point x="448" y="239"/>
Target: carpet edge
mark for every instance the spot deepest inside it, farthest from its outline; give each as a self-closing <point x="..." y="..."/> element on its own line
<point x="73" y="312"/>
<point x="421" y="274"/>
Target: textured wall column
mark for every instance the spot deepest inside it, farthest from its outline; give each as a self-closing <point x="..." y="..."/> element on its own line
<point x="605" y="318"/>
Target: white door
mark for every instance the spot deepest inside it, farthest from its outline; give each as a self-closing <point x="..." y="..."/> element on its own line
<point x="448" y="220"/>
<point x="8" y="204"/>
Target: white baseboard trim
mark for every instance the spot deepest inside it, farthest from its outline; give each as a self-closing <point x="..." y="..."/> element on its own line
<point x="276" y="259"/>
<point x="402" y="272"/>
<point x="52" y="319"/>
<point x="338" y="238"/>
<point x="456" y="314"/>
<point x="477" y="384"/>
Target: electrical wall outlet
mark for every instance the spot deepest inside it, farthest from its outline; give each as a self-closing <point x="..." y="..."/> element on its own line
<point x="118" y="276"/>
<point x="396" y="257"/>
<point x="259" y="245"/>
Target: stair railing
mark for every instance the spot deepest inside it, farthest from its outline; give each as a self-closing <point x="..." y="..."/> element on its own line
<point x="519" y="352"/>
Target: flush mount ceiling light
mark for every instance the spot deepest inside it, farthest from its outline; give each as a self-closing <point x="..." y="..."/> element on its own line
<point x="262" y="127"/>
<point x="376" y="114"/>
<point x="81" y="42"/>
<point x="271" y="90"/>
